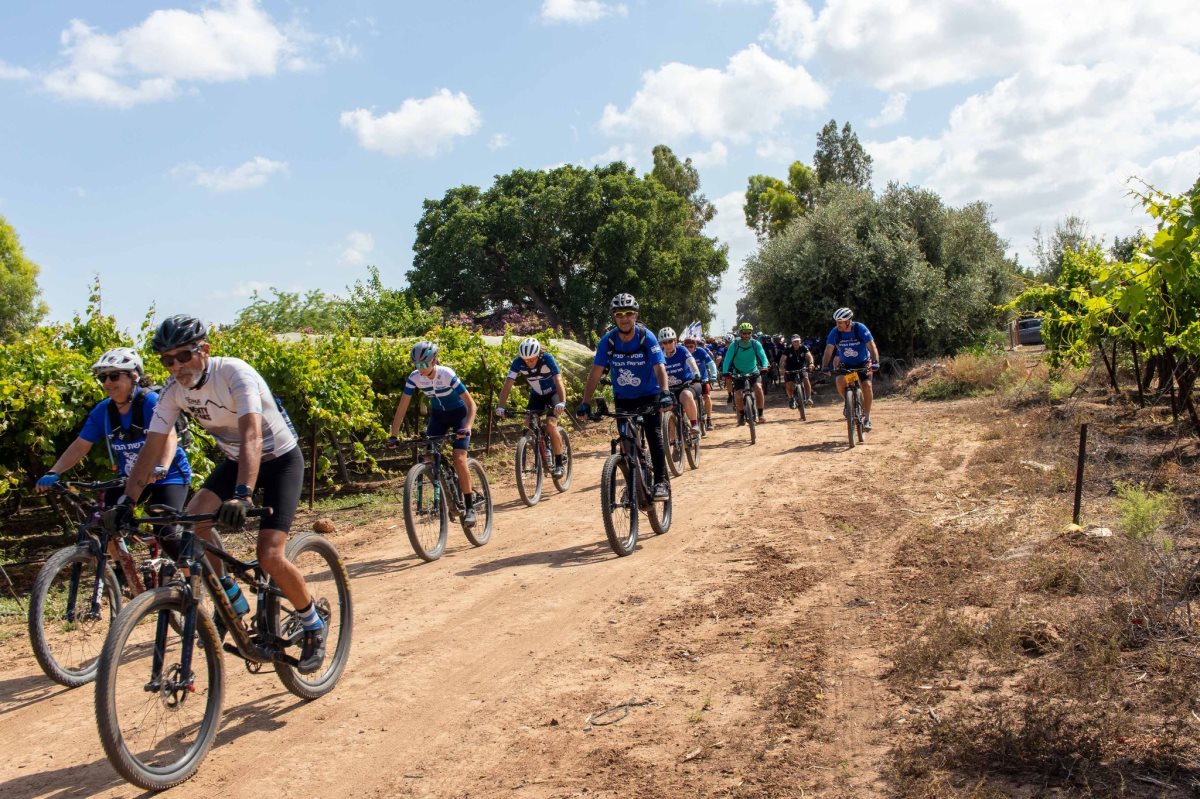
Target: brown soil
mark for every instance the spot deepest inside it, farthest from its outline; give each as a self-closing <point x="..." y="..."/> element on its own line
<point x="759" y="647"/>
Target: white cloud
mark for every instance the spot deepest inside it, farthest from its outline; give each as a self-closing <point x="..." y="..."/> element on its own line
<point x="776" y="150"/>
<point x="716" y="155"/>
<point x="499" y="141"/>
<point x="751" y="95"/>
<point x="917" y="44"/>
<point x="421" y="127"/>
<point x="579" y="11"/>
<point x="358" y="246"/>
<point x="227" y="41"/>
<point x="250" y="175"/>
<point x="9" y="72"/>
<point x="618" y="152"/>
<point x="892" y="111"/>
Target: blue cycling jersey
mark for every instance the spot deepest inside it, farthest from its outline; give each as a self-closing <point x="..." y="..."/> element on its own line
<point x="681" y="367"/>
<point x="851" y="346"/>
<point x="631" y="362"/>
<point x="444" y="389"/>
<point x="125" y="447"/>
<point x="540" y="376"/>
<point x="704" y="359"/>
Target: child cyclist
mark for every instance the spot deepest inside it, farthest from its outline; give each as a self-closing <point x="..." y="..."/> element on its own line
<point x="545" y="386"/>
<point x="451" y="408"/>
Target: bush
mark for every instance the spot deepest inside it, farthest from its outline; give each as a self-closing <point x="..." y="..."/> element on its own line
<point x="1143" y="514"/>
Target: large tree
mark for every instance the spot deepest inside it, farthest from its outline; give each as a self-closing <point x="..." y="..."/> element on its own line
<point x="926" y="278"/>
<point x="562" y="242"/>
<point x="20" y="308"/>
<point x="840" y="157"/>
<point x="771" y="205"/>
<point x="683" y="179"/>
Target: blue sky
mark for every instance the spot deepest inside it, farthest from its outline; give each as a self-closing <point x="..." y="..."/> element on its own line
<point x="190" y="152"/>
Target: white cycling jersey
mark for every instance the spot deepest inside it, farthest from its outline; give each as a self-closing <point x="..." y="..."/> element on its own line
<point x="232" y="389"/>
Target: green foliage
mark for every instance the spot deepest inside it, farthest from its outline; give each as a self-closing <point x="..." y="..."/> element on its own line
<point x="923" y="276"/>
<point x="20" y="308"/>
<point x="683" y="179"/>
<point x="1070" y="235"/>
<point x="771" y="205"/>
<point x="311" y="312"/>
<point x="562" y="242"/>
<point x="840" y="157"/>
<point x="1143" y="514"/>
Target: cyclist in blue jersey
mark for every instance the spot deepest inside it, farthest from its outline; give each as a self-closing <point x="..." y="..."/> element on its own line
<point x="541" y="371"/>
<point x="451" y="407"/>
<point x="855" y="349"/>
<point x="746" y="358"/>
<point x="708" y="372"/>
<point x="682" y="373"/>
<point x="633" y="355"/>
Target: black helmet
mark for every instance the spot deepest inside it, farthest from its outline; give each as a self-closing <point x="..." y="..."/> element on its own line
<point x="175" y="331"/>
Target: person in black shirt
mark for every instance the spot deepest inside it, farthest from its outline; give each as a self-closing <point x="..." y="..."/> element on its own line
<point x="796" y="360"/>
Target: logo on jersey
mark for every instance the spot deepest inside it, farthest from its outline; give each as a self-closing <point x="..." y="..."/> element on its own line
<point x="850" y="352"/>
<point x="627" y="378"/>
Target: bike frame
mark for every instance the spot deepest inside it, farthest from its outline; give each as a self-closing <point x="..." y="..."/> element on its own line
<point x="447" y="479"/>
<point x="631" y="440"/>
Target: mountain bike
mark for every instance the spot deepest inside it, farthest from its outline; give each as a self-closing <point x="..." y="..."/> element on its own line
<point x="432" y="497"/>
<point x="743" y="385"/>
<point x="159" y="691"/>
<point x="626" y="484"/>
<point x="77" y="593"/>
<point x="801" y="396"/>
<point x="853" y="411"/>
<point x="678" y="441"/>
<point x="535" y="459"/>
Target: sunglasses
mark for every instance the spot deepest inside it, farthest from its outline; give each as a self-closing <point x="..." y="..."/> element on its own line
<point x="168" y="359"/>
<point x="623" y="314"/>
<point x="113" y="376"/>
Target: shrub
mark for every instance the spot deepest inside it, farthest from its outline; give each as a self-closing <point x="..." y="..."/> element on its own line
<point x="1143" y="514"/>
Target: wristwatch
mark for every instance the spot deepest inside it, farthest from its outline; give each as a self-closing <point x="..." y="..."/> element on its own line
<point x="243" y="491"/>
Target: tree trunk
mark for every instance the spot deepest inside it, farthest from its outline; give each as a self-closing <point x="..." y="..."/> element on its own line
<point x="1137" y="375"/>
<point x="340" y="457"/>
<point x="1110" y="368"/>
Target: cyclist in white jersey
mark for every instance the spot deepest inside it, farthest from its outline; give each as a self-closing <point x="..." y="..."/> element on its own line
<point x="546" y="393"/>
<point x="233" y="403"/>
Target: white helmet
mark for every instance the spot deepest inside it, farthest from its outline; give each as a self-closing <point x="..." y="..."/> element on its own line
<point x="843" y="315"/>
<point x="122" y="359"/>
<point x="623" y="302"/>
<point x="530" y="348"/>
<point x="667" y="334"/>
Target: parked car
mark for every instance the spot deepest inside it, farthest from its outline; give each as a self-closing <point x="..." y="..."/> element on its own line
<point x="1029" y="331"/>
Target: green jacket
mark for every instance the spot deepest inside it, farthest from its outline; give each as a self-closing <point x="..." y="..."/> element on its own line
<point x="744" y="359"/>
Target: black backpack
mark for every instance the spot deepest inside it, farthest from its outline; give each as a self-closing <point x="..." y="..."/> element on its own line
<point x="137" y="425"/>
<point x="642" y="345"/>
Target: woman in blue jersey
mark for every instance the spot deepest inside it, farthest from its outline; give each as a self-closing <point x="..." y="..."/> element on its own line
<point x="120" y="421"/>
<point x="451" y="408"/>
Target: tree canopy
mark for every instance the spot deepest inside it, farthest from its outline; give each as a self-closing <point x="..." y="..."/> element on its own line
<point x="562" y="241"/>
<point x="926" y="278"/>
<point x="841" y="158"/>
<point x="20" y="308"/>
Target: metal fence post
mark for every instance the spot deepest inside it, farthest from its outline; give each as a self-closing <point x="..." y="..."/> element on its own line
<point x="1083" y="428"/>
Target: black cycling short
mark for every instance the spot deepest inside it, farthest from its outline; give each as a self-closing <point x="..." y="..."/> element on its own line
<point x="281" y="480"/>
<point x="743" y="382"/>
<point x="542" y="402"/>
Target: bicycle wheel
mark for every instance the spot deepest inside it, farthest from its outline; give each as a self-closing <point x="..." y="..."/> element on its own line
<point x="851" y="410"/>
<point x="692" y="447"/>
<point x="659" y="514"/>
<point x="529" y="471"/>
<point x="157" y="728"/>
<point x="564" y="482"/>
<point x="329" y="586"/>
<point x="482" y="531"/>
<point x="618" y="505"/>
<point x="672" y="445"/>
<point x="425" y="517"/>
<point x="859" y="424"/>
<point x="801" y="400"/>
<point x="751" y="416"/>
<point x="67" y="643"/>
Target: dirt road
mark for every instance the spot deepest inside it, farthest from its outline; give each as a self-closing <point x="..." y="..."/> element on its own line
<point x="747" y="638"/>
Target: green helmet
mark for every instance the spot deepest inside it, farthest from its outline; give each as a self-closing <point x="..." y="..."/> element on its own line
<point x="745" y="327"/>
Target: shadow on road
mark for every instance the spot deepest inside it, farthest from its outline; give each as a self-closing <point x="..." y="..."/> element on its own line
<point x="20" y="692"/>
<point x="83" y="780"/>
<point x="581" y="555"/>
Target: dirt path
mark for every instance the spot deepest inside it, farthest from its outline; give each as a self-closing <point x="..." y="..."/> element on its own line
<point x="749" y="639"/>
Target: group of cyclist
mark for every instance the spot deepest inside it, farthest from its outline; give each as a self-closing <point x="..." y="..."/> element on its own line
<point x="231" y="401"/>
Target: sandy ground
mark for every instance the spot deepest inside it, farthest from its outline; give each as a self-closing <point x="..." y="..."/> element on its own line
<point x="748" y="639"/>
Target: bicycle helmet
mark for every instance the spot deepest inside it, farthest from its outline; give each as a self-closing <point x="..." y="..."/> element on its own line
<point x="176" y="331"/>
<point x="423" y="353"/>
<point x="623" y="302"/>
<point x="667" y="334"/>
<point x="796" y="337"/>
<point x="843" y="315"/>
<point x="745" y="327"/>
<point x="121" y="359"/>
<point x="530" y="348"/>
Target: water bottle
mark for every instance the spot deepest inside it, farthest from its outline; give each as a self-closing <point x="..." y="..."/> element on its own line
<point x="236" y="597"/>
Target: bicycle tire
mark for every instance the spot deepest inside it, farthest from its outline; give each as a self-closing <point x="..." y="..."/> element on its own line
<point x="423" y="499"/>
<point x="672" y="446"/>
<point x="285" y="624"/>
<point x="72" y="671"/>
<point x="801" y="401"/>
<point x="526" y="471"/>
<point x="660" y="520"/>
<point x="859" y="423"/>
<point x="121" y="679"/>
<point x="692" y="448"/>
<point x="617" y="497"/>
<point x="751" y="416"/>
<point x="564" y="482"/>
<point x="850" y="411"/>
<point x="482" y="531"/>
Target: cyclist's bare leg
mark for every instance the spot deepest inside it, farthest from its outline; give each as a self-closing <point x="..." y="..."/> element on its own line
<point x="868" y="395"/>
<point x="760" y="397"/>
<point x="460" y="469"/>
<point x="555" y="436"/>
<point x="708" y="405"/>
<point x="841" y="386"/>
<point x="271" y="547"/>
<point x="689" y="405"/>
<point x="807" y="386"/>
<point x="791" y="388"/>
